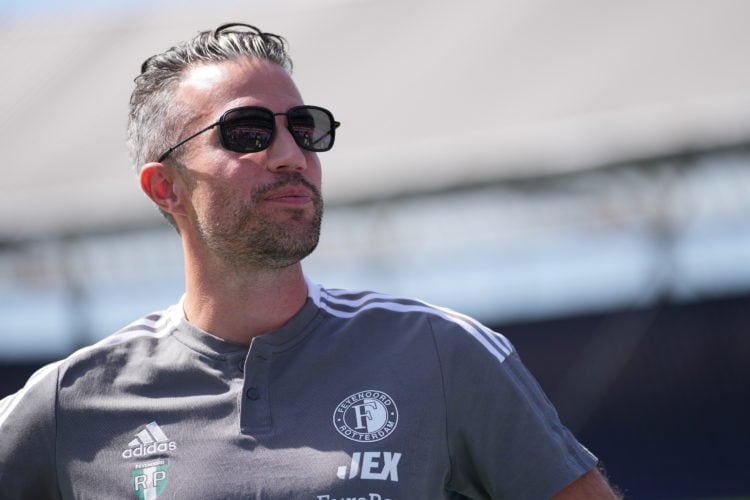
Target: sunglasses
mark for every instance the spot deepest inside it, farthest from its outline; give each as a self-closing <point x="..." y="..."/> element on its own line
<point x="250" y="129"/>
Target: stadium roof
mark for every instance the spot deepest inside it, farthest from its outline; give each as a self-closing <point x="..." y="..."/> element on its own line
<point x="431" y="94"/>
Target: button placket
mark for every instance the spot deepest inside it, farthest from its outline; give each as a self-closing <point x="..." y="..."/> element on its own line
<point x="238" y="361"/>
<point x="255" y="412"/>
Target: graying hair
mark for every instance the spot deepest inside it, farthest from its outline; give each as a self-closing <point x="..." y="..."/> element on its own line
<point x="154" y="118"/>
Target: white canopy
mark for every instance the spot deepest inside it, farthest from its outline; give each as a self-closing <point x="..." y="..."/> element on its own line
<point x="431" y="94"/>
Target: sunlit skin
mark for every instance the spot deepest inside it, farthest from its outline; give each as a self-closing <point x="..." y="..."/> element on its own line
<point x="245" y="219"/>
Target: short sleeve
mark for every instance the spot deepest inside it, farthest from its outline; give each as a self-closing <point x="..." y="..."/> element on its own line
<point x="27" y="439"/>
<point x="504" y="437"/>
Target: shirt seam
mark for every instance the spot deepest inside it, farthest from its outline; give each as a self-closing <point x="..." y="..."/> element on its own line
<point x="444" y="402"/>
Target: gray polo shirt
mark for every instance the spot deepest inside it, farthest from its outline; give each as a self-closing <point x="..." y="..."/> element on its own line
<point x="359" y="396"/>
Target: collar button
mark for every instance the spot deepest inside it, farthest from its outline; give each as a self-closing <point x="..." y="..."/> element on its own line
<point x="253" y="394"/>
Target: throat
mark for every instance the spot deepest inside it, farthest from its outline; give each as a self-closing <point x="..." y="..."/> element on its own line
<point x="240" y="310"/>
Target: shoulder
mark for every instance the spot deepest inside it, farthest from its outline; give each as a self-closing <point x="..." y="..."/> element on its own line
<point x="125" y="350"/>
<point x="141" y="333"/>
<point x="45" y="382"/>
<point x="450" y="329"/>
<point x="147" y="329"/>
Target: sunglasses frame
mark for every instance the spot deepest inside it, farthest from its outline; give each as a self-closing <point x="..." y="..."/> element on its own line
<point x="222" y="123"/>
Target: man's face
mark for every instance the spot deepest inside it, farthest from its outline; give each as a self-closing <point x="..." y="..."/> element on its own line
<point x="261" y="209"/>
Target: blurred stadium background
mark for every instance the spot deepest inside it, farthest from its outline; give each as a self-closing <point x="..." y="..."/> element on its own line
<point x="574" y="174"/>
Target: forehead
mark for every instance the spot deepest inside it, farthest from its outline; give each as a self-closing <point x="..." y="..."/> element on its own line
<point x="211" y="89"/>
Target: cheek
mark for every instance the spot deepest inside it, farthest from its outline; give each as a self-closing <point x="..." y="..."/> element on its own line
<point x="226" y="196"/>
<point x="223" y="184"/>
<point x="209" y="200"/>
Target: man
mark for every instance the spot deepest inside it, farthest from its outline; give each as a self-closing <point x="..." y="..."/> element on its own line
<point x="258" y="383"/>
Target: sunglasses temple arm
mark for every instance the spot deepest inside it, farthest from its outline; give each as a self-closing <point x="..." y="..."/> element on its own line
<point x="170" y="150"/>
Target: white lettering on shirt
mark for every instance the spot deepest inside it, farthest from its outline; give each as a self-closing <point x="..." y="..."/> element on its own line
<point x="382" y="466"/>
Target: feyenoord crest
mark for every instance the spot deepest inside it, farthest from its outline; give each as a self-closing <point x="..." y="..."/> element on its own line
<point x="366" y="416"/>
<point x="149" y="479"/>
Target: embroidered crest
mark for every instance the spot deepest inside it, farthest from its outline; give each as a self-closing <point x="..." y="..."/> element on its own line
<point x="366" y="416"/>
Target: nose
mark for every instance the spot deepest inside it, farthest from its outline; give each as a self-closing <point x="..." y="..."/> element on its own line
<point x="284" y="153"/>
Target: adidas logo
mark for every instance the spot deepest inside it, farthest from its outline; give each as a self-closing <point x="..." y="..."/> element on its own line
<point x="149" y="441"/>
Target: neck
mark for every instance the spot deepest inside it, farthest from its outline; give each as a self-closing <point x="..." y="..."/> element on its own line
<point x="240" y="305"/>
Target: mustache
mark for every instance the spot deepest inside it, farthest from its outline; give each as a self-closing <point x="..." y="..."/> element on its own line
<point x="289" y="179"/>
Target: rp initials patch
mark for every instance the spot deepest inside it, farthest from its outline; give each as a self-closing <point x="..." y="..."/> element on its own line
<point x="149" y="480"/>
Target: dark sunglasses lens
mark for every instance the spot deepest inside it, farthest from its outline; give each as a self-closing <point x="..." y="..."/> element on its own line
<point x="247" y="130"/>
<point x="312" y="127"/>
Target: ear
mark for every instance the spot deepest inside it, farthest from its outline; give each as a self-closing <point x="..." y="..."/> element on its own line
<point x="158" y="182"/>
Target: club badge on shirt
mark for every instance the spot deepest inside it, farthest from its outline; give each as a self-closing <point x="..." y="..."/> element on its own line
<point x="366" y="416"/>
<point x="149" y="479"/>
